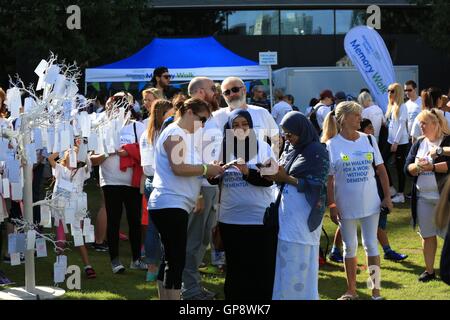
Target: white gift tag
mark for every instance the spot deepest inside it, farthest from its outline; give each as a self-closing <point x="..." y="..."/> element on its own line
<point x="31" y="153"/>
<point x="6" y="190"/>
<point x="12" y="243"/>
<point x="15" y="259"/>
<point x="65" y="140"/>
<point x="3" y="148"/>
<point x="72" y="158"/>
<point x="52" y="74"/>
<point x="69" y="215"/>
<point x="82" y="202"/>
<point x="60" y="85"/>
<point x="40" y="69"/>
<point x="13" y="167"/>
<point x="45" y="216"/>
<point x="85" y="124"/>
<point x="82" y="152"/>
<point x="90" y="237"/>
<point x="41" y="248"/>
<point x="72" y="89"/>
<point x="78" y="239"/>
<point x="44" y="135"/>
<point x="86" y="226"/>
<point x="59" y="273"/>
<point x="56" y="145"/>
<point x="31" y="239"/>
<point x="16" y="191"/>
<point x="28" y="105"/>
<point x="37" y="134"/>
<point x="13" y="101"/>
<point x="62" y="260"/>
<point x="20" y="242"/>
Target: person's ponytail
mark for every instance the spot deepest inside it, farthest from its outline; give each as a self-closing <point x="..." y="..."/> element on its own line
<point x="330" y="127"/>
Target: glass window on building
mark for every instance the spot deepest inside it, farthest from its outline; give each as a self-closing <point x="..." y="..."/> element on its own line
<point x="254" y="23"/>
<point x="307" y="22"/>
<point x="347" y="19"/>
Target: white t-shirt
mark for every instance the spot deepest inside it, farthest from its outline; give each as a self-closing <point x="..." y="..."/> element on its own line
<point x="263" y="122"/>
<point x="170" y="190"/>
<point x="242" y="202"/>
<point x="414" y="108"/>
<point x="279" y="110"/>
<point x="70" y="180"/>
<point x="416" y="132"/>
<point x="322" y="113"/>
<point x="376" y="116"/>
<point x="426" y="181"/>
<point x="110" y="173"/>
<point x="209" y="138"/>
<point x="294" y="213"/>
<point x="447" y="116"/>
<point x="398" y="128"/>
<point x="355" y="187"/>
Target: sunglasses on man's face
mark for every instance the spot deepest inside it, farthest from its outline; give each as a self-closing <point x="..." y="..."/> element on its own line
<point x="234" y="90"/>
<point x="408" y="90"/>
<point x="167" y="76"/>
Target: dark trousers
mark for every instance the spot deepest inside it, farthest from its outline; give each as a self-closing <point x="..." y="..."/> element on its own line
<point x="115" y="198"/>
<point x="400" y="159"/>
<point x="250" y="252"/>
<point x="172" y="226"/>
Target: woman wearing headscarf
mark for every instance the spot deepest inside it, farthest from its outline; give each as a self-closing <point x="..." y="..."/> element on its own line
<point x="244" y="196"/>
<point x="303" y="172"/>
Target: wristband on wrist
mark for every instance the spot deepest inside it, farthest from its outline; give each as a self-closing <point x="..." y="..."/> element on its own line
<point x="332" y="205"/>
<point x="205" y="169"/>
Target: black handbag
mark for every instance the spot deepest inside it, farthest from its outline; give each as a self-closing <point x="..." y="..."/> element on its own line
<point x="271" y="215"/>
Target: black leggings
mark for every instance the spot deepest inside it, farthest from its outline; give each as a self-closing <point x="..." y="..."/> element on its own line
<point x="172" y="226"/>
<point x="115" y="198"/>
<point x="400" y="159"/>
<point x="250" y="252"/>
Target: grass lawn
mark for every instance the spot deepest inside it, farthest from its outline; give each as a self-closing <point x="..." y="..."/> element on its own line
<point x="399" y="280"/>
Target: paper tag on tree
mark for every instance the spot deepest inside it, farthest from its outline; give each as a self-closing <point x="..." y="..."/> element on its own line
<point x="20" y="242"/>
<point x="90" y="237"/>
<point x="62" y="260"/>
<point x="16" y="191"/>
<point x="77" y="238"/>
<point x="59" y="273"/>
<point x="86" y="226"/>
<point x="31" y="239"/>
<point x="72" y="158"/>
<point x="46" y="217"/>
<point x="41" y="248"/>
<point x="15" y="259"/>
<point x="52" y="74"/>
<point x="65" y="140"/>
<point x="92" y="141"/>
<point x="12" y="243"/>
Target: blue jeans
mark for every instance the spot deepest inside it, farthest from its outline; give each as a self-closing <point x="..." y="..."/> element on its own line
<point x="152" y="243"/>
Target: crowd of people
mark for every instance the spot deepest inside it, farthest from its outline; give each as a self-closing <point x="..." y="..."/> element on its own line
<point x="188" y="163"/>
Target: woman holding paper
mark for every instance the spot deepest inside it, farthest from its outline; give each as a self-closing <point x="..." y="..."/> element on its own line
<point x="117" y="184"/>
<point x="160" y="110"/>
<point x="428" y="163"/>
<point x="176" y="187"/>
<point x="69" y="181"/>
<point x="244" y="197"/>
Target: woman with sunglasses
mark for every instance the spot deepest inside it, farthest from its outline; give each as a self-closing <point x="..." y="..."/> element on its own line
<point x="352" y="190"/>
<point x="304" y="173"/>
<point x="244" y="196"/>
<point x="160" y="110"/>
<point x="176" y="187"/>
<point x="398" y="137"/>
<point x="428" y="163"/>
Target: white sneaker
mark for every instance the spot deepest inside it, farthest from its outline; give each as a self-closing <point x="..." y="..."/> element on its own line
<point x="117" y="268"/>
<point x="399" y="198"/>
<point x="138" y="264"/>
<point x="392" y="191"/>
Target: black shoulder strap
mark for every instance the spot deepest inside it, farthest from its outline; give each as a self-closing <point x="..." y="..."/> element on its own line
<point x="135" y="134"/>
<point x="373" y="160"/>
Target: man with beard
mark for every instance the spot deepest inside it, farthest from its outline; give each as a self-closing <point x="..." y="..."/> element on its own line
<point x="234" y="93"/>
<point x="161" y="80"/>
<point x="203" y="217"/>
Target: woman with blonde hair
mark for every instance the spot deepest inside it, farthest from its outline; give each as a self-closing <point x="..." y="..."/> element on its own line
<point x="354" y="161"/>
<point x="398" y="137"/>
<point x="428" y="163"/>
<point x="148" y="97"/>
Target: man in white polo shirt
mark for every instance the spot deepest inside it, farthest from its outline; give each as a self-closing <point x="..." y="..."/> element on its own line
<point x="414" y="104"/>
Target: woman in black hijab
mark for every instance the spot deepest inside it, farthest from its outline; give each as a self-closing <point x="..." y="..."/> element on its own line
<point x="244" y="196"/>
<point x="303" y="175"/>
